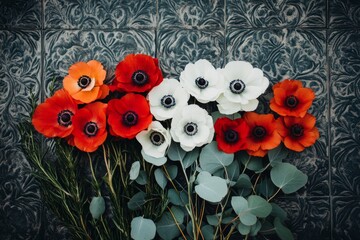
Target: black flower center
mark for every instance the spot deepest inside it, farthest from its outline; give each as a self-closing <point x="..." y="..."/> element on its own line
<point x="231" y="136"/>
<point x="291" y="101"/>
<point x="297" y="130"/>
<point x="64" y="118"/>
<point x="259" y="132"/>
<point x="157" y="138"/>
<point x="84" y="81"/>
<point x="140" y="78"/>
<point x="168" y="101"/>
<point x="237" y="86"/>
<point x="91" y="129"/>
<point x="191" y="128"/>
<point x="201" y="83"/>
<point x="130" y="118"/>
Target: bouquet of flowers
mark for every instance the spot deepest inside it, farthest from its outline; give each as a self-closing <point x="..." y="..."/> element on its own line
<point x="147" y="157"/>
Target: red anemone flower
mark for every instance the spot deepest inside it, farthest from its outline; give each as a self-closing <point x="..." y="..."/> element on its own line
<point x="53" y="118"/>
<point x="137" y="73"/>
<point x="90" y="127"/>
<point x="291" y="98"/>
<point x="231" y="134"/>
<point x="85" y="81"/>
<point x="263" y="135"/>
<point x="128" y="115"/>
<point x="298" y="133"/>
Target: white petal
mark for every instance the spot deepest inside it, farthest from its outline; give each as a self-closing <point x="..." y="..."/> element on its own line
<point x="237" y="70"/>
<point x="251" y="92"/>
<point x="251" y="106"/>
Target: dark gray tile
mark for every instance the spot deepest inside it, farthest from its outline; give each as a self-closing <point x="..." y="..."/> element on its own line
<point x="102" y="14"/>
<point x="344" y="52"/>
<point x="176" y="48"/>
<point x="20" y="14"/>
<point x="344" y="13"/>
<point x="66" y="47"/>
<point x="287" y="13"/>
<point x="346" y="215"/>
<point x="308" y="218"/>
<point x="208" y="14"/>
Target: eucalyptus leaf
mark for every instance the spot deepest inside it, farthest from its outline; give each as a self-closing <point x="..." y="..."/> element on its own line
<point x="97" y="207"/>
<point x="211" y="188"/>
<point x="173" y="171"/>
<point x="243" y="181"/>
<point x="211" y="159"/>
<point x="160" y="178"/>
<point x="266" y="187"/>
<point x="212" y="219"/>
<point x="277" y="155"/>
<point x="134" y="170"/>
<point x="137" y="201"/>
<point x="278" y="212"/>
<point x="166" y="227"/>
<point x="178" y="214"/>
<point x="255" y="228"/>
<point x="177" y="198"/>
<point x="208" y="232"/>
<point x="282" y="231"/>
<point x="287" y="177"/>
<point x="191" y="157"/>
<point x="233" y="171"/>
<point x="142" y="178"/>
<point x="155" y="161"/>
<point x="215" y="115"/>
<point x="175" y="152"/>
<point x="250" y="162"/>
<point x="142" y="229"/>
<point x="243" y="229"/>
<point x="259" y="206"/>
<point x="241" y="207"/>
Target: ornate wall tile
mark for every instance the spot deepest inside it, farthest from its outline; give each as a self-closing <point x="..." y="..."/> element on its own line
<point x="344" y="52"/>
<point x="308" y="218"/>
<point x="295" y="54"/>
<point x="64" y="48"/>
<point x="344" y="13"/>
<point x="176" y="48"/>
<point x="20" y="14"/>
<point x="346" y="218"/>
<point x="112" y="14"/>
<point x="191" y="14"/>
<point x="279" y="13"/>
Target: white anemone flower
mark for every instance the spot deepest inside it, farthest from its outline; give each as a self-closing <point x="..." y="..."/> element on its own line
<point x="243" y="85"/>
<point x="192" y="126"/>
<point x="155" y="140"/>
<point x="202" y="81"/>
<point x="166" y="98"/>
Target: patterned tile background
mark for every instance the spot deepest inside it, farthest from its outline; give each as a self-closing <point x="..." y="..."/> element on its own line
<point x="317" y="41"/>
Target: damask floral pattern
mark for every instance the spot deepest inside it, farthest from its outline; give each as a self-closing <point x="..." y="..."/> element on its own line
<point x="313" y="41"/>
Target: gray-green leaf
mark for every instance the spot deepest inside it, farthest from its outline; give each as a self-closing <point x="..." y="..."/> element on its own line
<point x="142" y="229"/>
<point x="97" y="207"/>
<point x="134" y="170"/>
<point x="211" y="188"/>
<point x="287" y="177"/>
<point x="282" y="231"/>
<point x="160" y="178"/>
<point x="137" y="201"/>
<point x="211" y="159"/>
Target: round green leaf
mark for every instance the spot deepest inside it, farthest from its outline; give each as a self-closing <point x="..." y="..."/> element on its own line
<point x="97" y="207"/>
<point x="137" y="201"/>
<point x="239" y="204"/>
<point x="155" y="161"/>
<point x="142" y="178"/>
<point x="259" y="206"/>
<point x="208" y="232"/>
<point x="277" y="155"/>
<point x="233" y="171"/>
<point x="177" y="198"/>
<point x="278" y="212"/>
<point x="287" y="177"/>
<point x="160" y="178"/>
<point x="134" y="170"/>
<point x="266" y="187"/>
<point x="173" y="171"/>
<point x="282" y="231"/>
<point x="252" y="163"/>
<point x="175" y="152"/>
<point x="166" y="227"/>
<point x="191" y="157"/>
<point x="211" y="159"/>
<point x="255" y="229"/>
<point x="142" y="229"/>
<point x="211" y="188"/>
<point x="243" y="229"/>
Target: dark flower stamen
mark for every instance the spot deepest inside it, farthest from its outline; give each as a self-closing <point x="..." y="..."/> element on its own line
<point x="157" y="138"/>
<point x="168" y="101"/>
<point x="291" y="101"/>
<point x="231" y="136"/>
<point x="130" y="118"/>
<point x="237" y="86"/>
<point x="64" y="118"/>
<point x="297" y="130"/>
<point x="201" y="83"/>
<point x="140" y="78"/>
<point x="84" y="81"/>
<point x="259" y="132"/>
<point x="191" y="128"/>
<point x="91" y="129"/>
